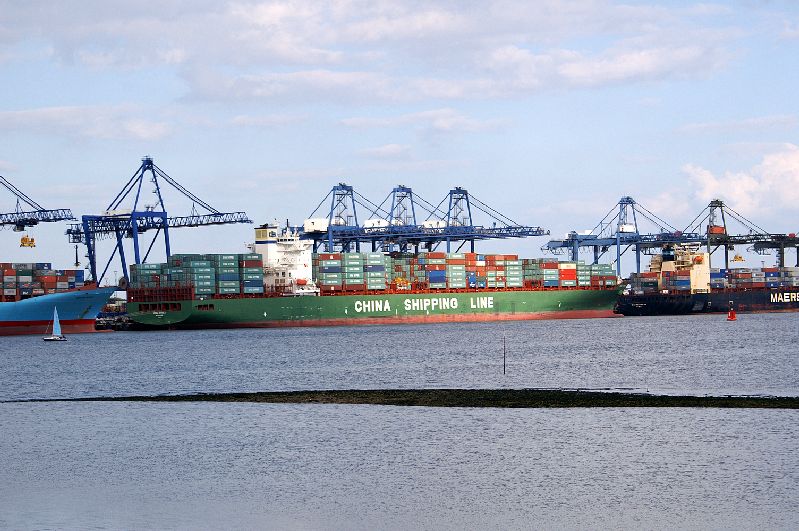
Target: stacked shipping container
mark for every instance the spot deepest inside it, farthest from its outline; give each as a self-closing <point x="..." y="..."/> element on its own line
<point x="350" y="271"/>
<point x="740" y="278"/>
<point x="437" y="270"/>
<point x="209" y="274"/>
<point x="26" y="280"/>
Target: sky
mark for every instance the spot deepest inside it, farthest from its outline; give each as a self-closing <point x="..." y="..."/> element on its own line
<point x="547" y="111"/>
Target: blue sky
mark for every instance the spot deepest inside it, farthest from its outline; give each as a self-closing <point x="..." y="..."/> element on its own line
<point x="548" y="111"/>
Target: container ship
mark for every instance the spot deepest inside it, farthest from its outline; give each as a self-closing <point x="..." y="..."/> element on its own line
<point x="680" y="281"/>
<point x="281" y="283"/>
<point x="32" y="290"/>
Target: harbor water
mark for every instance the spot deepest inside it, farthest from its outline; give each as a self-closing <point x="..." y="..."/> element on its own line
<point x="311" y="466"/>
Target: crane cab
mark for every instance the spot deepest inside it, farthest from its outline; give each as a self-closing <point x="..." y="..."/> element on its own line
<point x="27" y="241"/>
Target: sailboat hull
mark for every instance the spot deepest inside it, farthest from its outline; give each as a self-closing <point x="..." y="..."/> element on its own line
<point x="77" y="311"/>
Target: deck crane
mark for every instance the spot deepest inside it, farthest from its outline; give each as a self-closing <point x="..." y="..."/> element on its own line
<point x="398" y="227"/>
<point x="620" y="229"/>
<point x="118" y="223"/>
<point x="713" y="220"/>
<point x="29" y="213"/>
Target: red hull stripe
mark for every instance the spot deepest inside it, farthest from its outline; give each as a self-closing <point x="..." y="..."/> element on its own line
<point x="410" y="319"/>
<point x="71" y="326"/>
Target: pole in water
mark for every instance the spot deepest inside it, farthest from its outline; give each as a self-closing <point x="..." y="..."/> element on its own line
<point x="503" y="352"/>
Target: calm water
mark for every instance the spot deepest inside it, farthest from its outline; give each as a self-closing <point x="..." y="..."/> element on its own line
<point x="189" y="466"/>
<point x="694" y="354"/>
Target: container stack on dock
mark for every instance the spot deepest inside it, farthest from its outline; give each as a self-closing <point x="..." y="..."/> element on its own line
<point x="26" y="280"/>
<point x="208" y="274"/>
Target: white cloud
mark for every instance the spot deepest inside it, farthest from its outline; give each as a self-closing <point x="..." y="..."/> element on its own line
<point x="388" y="151"/>
<point x="790" y="31"/>
<point x="637" y="65"/>
<point x="785" y="121"/>
<point x="436" y="120"/>
<point x="380" y="50"/>
<point x="266" y="120"/>
<point x="767" y="188"/>
<point x="103" y="122"/>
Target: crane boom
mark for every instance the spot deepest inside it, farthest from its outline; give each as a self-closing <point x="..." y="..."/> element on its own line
<point x="20" y="219"/>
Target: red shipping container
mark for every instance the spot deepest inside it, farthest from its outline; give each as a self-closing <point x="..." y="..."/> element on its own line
<point x="9" y="273"/>
<point x="456" y="261"/>
<point x="330" y="256"/>
<point x="470" y="256"/>
<point x="436" y="255"/>
<point x="568" y="274"/>
<point x="649" y="274"/>
<point x="550" y="265"/>
<point x="62" y="278"/>
<point x="436" y="267"/>
<point x="251" y="263"/>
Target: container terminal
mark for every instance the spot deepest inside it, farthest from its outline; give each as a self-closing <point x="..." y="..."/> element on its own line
<point x="354" y="261"/>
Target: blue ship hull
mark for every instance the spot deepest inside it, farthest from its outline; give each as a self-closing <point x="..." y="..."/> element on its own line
<point x="77" y="311"/>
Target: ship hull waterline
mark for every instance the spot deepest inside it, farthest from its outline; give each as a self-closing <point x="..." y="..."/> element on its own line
<point x="776" y="300"/>
<point x="354" y="310"/>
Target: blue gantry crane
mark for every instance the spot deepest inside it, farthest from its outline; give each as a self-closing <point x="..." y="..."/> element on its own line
<point x="28" y="212"/>
<point x="119" y="223"/>
<point x="398" y="228"/>
<point x="713" y="223"/>
<point x="620" y="229"/>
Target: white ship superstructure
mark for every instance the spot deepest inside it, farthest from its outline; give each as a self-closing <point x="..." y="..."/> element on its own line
<point x="287" y="260"/>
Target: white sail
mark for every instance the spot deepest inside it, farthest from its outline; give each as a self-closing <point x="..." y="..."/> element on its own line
<point x="56" y="323"/>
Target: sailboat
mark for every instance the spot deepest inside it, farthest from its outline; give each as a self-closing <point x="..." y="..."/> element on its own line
<point x="56" y="335"/>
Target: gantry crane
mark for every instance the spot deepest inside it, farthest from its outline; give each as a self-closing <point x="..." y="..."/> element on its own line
<point x="713" y="221"/>
<point x="29" y="213"/>
<point x="119" y="223"/>
<point x="399" y="228"/>
<point x="620" y="229"/>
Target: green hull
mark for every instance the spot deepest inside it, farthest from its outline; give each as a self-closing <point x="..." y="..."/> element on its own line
<point x="374" y="309"/>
